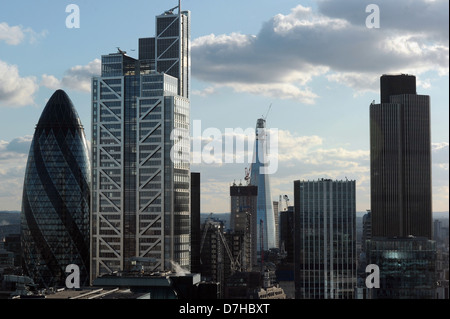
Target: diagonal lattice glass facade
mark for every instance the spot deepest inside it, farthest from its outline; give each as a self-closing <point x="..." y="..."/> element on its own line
<point x="56" y="196"/>
<point x="140" y="155"/>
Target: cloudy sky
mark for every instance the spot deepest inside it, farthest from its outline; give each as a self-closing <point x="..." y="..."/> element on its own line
<point x="315" y="62"/>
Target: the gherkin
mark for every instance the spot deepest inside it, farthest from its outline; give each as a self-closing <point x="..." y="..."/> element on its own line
<point x="56" y="197"/>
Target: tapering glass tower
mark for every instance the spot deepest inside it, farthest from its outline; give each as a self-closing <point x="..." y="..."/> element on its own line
<point x="140" y="154"/>
<point x="264" y="210"/>
<point x="56" y="193"/>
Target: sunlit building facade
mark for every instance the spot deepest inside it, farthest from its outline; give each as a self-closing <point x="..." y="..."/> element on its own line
<point x="56" y="197"/>
<point x="325" y="239"/>
<point x="140" y="153"/>
<point x="265" y="219"/>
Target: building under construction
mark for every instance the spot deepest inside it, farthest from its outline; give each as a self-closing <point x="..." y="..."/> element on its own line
<point x="243" y="222"/>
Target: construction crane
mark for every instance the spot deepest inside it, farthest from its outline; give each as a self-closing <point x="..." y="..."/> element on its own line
<point x="286" y="199"/>
<point x="170" y="11"/>
<point x="121" y="51"/>
<point x="247" y="176"/>
<point x="235" y="264"/>
<point x="267" y="114"/>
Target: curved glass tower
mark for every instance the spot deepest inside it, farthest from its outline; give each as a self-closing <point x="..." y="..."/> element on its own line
<point x="265" y="216"/>
<point x="56" y="196"/>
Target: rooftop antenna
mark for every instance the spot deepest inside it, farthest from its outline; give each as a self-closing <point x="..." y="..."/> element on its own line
<point x="265" y="117"/>
<point x="120" y="51"/>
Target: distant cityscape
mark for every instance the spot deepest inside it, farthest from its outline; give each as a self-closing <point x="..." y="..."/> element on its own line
<point x="122" y="219"/>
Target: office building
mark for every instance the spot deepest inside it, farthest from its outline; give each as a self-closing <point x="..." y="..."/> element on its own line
<point x="56" y="197"/>
<point x="407" y="267"/>
<point x="401" y="212"/>
<point x="243" y="221"/>
<point x="141" y="152"/>
<point x="265" y="219"/>
<point x="195" y="222"/>
<point x="287" y="233"/>
<point x="213" y="253"/>
<point x="276" y="216"/>
<point x="400" y="160"/>
<point x="325" y="239"/>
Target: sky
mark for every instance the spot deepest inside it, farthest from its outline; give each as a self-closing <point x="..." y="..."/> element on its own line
<point x="311" y="68"/>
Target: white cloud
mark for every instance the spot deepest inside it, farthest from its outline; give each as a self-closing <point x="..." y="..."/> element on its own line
<point x="15" y="35"/>
<point x="205" y="92"/>
<point x="12" y="35"/>
<point x="76" y="78"/>
<point x="14" y="89"/>
<point x="49" y="81"/>
<point x="13" y="160"/>
<point x="292" y="49"/>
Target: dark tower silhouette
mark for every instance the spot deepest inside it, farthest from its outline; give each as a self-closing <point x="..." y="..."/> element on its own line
<point x="400" y="154"/>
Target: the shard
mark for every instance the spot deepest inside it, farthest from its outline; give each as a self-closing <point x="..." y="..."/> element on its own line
<point x="56" y="193"/>
<point x="259" y="177"/>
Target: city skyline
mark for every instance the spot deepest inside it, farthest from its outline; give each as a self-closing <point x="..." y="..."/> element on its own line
<point x="320" y="99"/>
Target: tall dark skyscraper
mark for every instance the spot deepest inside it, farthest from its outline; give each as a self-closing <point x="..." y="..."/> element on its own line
<point x="56" y="196"/>
<point x="195" y="222"/>
<point x="400" y="160"/>
<point x="141" y="152"/>
<point x="401" y="202"/>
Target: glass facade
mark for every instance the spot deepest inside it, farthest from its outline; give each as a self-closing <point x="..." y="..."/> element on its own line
<point x="325" y="239"/>
<point x="407" y="267"/>
<point x="56" y="197"/>
<point x="172" y="48"/>
<point x="141" y="170"/>
<point x="265" y="230"/>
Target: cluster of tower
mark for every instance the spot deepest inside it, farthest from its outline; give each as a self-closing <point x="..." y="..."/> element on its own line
<point x="132" y="201"/>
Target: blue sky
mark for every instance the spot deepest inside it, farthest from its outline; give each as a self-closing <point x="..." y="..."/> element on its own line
<point x="315" y="61"/>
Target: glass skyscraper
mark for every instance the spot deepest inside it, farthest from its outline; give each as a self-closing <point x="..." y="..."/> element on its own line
<point x="140" y="154"/>
<point x="56" y="196"/>
<point x="325" y="239"/>
<point x="265" y="219"/>
<point x="407" y="267"/>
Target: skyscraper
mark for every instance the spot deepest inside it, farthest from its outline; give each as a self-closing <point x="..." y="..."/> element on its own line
<point x="195" y="222"/>
<point x="400" y="171"/>
<point x="400" y="160"/>
<point x="243" y="221"/>
<point x="169" y="51"/>
<point x="325" y="239"/>
<point x="56" y="196"/>
<point x="265" y="219"/>
<point x="140" y="154"/>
